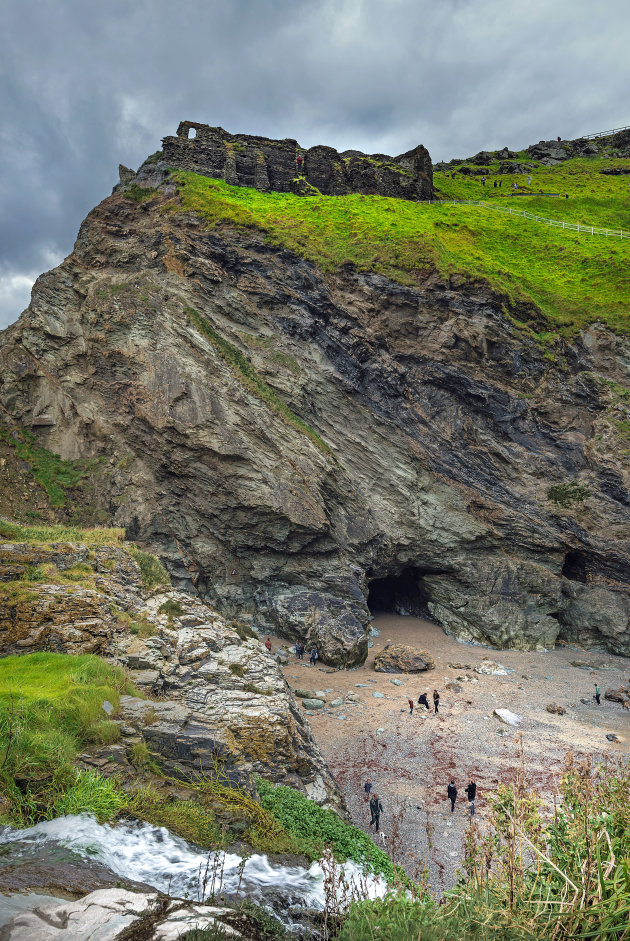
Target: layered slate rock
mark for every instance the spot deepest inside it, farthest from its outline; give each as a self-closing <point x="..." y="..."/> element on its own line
<point x="399" y="658"/>
<point x="437" y="430"/>
<point x="284" y="166"/>
<point x="223" y="702"/>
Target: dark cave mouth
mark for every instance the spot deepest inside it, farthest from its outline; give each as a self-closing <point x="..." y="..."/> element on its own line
<point x="401" y="593"/>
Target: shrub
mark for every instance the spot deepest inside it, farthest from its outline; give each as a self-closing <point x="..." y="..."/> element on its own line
<point x="307" y="820"/>
<point x="237" y="669"/>
<point x="171" y="608"/>
<point x="244" y="631"/>
<point x="139" y="194"/>
<point x="568" y="494"/>
<point x="152" y="571"/>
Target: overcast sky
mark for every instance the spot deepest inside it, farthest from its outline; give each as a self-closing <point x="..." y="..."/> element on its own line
<point x="86" y="85"/>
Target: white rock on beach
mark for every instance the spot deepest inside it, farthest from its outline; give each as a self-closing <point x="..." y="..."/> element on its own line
<point x="510" y="718"/>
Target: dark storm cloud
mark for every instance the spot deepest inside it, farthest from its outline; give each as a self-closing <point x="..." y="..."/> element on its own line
<point x="86" y="85"/>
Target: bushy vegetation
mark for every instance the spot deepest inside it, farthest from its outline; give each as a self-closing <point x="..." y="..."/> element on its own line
<point x="152" y="571"/>
<point x="573" y="278"/>
<point x="528" y="878"/>
<point x="305" y="819"/>
<point x="61" y="533"/>
<point x="139" y="194"/>
<point x="251" y="380"/>
<point x="569" y="494"/>
<point x="60" y="478"/>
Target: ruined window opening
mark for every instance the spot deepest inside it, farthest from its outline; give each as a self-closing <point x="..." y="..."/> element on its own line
<point x="192" y="133"/>
<point x="400" y="593"/>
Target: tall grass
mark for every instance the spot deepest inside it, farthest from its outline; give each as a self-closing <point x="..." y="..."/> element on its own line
<point x="61" y="533"/>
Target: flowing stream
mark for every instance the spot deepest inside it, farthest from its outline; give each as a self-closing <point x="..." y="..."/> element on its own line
<point x="145" y="853"/>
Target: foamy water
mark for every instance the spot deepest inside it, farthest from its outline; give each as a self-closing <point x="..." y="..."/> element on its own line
<point x="145" y="853"/>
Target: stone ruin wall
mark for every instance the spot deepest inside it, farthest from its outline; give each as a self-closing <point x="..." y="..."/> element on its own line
<point x="243" y="160"/>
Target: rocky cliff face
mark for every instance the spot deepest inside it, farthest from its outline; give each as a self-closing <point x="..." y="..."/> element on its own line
<point x="286" y="439"/>
<point x="222" y="700"/>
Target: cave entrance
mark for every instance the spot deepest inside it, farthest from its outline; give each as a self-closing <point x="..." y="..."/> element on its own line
<point x="576" y="566"/>
<point x="402" y="593"/>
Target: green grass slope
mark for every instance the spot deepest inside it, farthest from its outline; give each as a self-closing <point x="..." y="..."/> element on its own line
<point x="572" y="278"/>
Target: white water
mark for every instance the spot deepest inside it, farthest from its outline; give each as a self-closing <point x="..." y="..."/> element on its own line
<point x="146" y="853"/>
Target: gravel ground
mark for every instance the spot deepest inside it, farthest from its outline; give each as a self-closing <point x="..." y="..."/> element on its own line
<point x="410" y="759"/>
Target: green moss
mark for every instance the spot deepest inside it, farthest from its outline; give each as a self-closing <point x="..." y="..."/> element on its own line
<point x="237" y="670"/>
<point x="251" y="380"/>
<point x="142" y="628"/>
<point x="573" y="278"/>
<point x="257" y="690"/>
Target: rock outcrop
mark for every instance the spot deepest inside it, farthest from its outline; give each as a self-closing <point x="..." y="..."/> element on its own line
<point x="430" y="430"/>
<point x="222" y="701"/>
<point x="284" y="166"/>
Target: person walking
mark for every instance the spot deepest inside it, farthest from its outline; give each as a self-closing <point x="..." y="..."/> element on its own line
<point x="367" y="787"/>
<point x="436" y="700"/>
<point x="471" y="794"/>
<point x="598" y="694"/>
<point x="268" y="645"/>
<point x="451" y="792"/>
<point x="314" y="655"/>
<point x="422" y="700"/>
<point x="376" y="809"/>
<point x="410" y="701"/>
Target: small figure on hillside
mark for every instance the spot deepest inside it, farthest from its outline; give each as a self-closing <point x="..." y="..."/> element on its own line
<point x="410" y="701"/>
<point x="422" y="700"/>
<point x="483" y="181"/>
<point x="268" y="645"/>
<point x="451" y="792"/>
<point x="559" y="138"/>
<point x="299" y="161"/>
<point x="566" y="195"/>
<point x="495" y="184"/>
<point x="529" y="180"/>
<point x="598" y="694"/>
<point x="367" y="787"/>
<point x="500" y="183"/>
<point x="436" y="699"/>
<point x="299" y="650"/>
<point x="376" y="809"/>
<point x="471" y="794"/>
<point x="314" y="655"/>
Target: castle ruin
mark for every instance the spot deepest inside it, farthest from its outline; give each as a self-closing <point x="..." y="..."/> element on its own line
<point x="285" y="167"/>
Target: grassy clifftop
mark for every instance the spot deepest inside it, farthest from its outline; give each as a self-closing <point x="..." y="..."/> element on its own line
<point x="573" y="278"/>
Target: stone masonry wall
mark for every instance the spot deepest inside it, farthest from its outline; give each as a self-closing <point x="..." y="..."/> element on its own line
<point x="243" y="160"/>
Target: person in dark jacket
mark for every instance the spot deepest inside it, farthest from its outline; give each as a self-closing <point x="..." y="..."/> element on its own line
<point x="436" y="699"/>
<point x="314" y="655"/>
<point x="376" y="809"/>
<point x="422" y="700"/>
<point x="451" y="792"/>
<point x="367" y="787"/>
<point x="471" y="794"/>
<point x="410" y="701"/>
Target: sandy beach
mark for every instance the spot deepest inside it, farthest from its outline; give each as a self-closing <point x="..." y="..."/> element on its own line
<point x="410" y="759"/>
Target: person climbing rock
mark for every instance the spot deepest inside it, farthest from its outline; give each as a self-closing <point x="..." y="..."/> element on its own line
<point x="268" y="645"/>
<point x="436" y="699"/>
<point x="598" y="694"/>
<point x="410" y="701"/>
<point x="299" y="160"/>
<point x="376" y="809"/>
<point x="471" y="794"/>
<point x="314" y="655"/>
<point x="422" y="700"/>
<point x="451" y="792"/>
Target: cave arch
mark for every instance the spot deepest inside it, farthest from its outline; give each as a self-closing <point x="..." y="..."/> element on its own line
<point x="399" y="593"/>
<point x="576" y="566"/>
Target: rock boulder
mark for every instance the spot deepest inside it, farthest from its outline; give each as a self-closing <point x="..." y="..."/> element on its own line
<point x="398" y="658"/>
